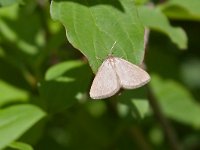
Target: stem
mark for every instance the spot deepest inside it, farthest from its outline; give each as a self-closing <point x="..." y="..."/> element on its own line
<point x="162" y="1"/>
<point x="139" y="138"/>
<point x="164" y="122"/>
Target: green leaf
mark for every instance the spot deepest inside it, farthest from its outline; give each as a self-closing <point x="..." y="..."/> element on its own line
<point x="10" y="2"/>
<point x="59" y="69"/>
<point x="65" y="83"/>
<point x="20" y="146"/>
<point x="155" y="19"/>
<point x="179" y="9"/>
<point x="22" y="45"/>
<point x="141" y="2"/>
<point x="176" y="101"/>
<point x="16" y="120"/>
<point x="97" y="109"/>
<point x="133" y="104"/>
<point x="190" y="72"/>
<point x="93" y="27"/>
<point x="10" y="93"/>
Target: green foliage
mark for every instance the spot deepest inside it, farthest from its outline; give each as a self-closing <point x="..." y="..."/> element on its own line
<point x="155" y="19"/>
<point x="48" y="52"/>
<point x="20" y="146"/>
<point x="9" y="2"/>
<point x="60" y="81"/>
<point x="179" y="9"/>
<point x="188" y="109"/>
<point x="17" y="94"/>
<point x="15" y="120"/>
<point x="121" y="24"/>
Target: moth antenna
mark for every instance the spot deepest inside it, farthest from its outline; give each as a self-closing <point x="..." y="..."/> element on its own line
<point x="98" y="58"/>
<point x="112" y="47"/>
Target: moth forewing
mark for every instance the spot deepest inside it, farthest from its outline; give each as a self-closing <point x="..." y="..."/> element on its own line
<point x="105" y="83"/>
<point x="130" y="76"/>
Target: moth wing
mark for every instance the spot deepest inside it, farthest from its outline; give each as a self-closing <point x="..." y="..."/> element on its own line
<point x="105" y="83"/>
<point x="130" y="75"/>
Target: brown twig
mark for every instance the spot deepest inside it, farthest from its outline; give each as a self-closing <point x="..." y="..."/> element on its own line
<point x="139" y="138"/>
<point x="164" y="122"/>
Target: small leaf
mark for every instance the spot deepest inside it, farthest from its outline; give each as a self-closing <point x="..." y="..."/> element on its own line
<point x="17" y="94"/>
<point x="133" y="103"/>
<point x="93" y="27"/>
<point x="141" y="2"/>
<point x="190" y="72"/>
<point x="20" y="146"/>
<point x="155" y="19"/>
<point x="22" y="45"/>
<point x="64" y="83"/>
<point x="176" y="101"/>
<point x="142" y="106"/>
<point x="60" y="69"/>
<point x="15" y="120"/>
<point x="179" y="9"/>
<point x="10" y="2"/>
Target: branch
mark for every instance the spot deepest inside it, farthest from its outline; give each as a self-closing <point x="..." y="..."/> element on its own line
<point x="139" y="138"/>
<point x="164" y="122"/>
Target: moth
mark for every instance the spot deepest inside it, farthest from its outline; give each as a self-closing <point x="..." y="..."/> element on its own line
<point x="116" y="73"/>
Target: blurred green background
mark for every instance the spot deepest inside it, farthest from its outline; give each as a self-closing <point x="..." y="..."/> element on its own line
<point x="44" y="84"/>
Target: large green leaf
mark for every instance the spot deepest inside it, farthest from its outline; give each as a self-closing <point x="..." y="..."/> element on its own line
<point x="93" y="27"/>
<point x="182" y="9"/>
<point x="176" y="101"/>
<point x="155" y="19"/>
<point x="15" y="120"/>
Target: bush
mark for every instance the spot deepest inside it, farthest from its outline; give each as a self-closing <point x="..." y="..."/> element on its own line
<point x="50" y="50"/>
